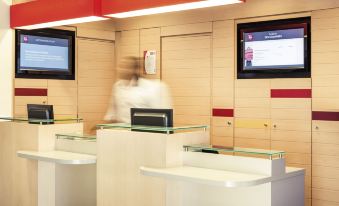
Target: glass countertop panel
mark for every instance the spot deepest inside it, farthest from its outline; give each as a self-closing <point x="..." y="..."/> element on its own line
<point x="77" y="136"/>
<point x="37" y="121"/>
<point x="150" y="128"/>
<point x="218" y="149"/>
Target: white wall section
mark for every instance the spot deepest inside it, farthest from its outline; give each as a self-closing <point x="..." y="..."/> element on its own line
<point x="6" y="61"/>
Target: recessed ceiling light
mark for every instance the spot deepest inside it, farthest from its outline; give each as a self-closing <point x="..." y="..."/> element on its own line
<point x="171" y="8"/>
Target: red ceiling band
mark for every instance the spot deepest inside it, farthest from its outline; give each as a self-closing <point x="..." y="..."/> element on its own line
<point x="45" y="11"/>
<point x="32" y="14"/>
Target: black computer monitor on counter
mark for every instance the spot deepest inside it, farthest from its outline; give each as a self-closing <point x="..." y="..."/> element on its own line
<point x="40" y="114"/>
<point x="151" y="117"/>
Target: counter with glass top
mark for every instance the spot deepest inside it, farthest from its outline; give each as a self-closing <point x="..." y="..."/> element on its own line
<point x="270" y="154"/>
<point x="41" y="121"/>
<point x="122" y="149"/>
<point x="39" y="166"/>
<point x="230" y="176"/>
<point x="143" y="128"/>
<point x="179" y="167"/>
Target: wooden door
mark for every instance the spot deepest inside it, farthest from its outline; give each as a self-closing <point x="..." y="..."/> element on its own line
<point x="186" y="68"/>
<point x="96" y="75"/>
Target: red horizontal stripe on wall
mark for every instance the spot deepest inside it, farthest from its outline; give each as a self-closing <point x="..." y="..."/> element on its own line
<point x="30" y="92"/>
<point x="291" y="93"/>
<point x="223" y="112"/>
<point x="325" y="116"/>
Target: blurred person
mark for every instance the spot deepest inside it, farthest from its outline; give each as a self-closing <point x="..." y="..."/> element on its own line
<point x="132" y="91"/>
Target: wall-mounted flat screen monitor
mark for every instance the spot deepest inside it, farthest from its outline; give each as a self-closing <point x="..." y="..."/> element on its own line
<point x="274" y="49"/>
<point x="151" y="118"/>
<point x="40" y="114"/>
<point x="45" y="54"/>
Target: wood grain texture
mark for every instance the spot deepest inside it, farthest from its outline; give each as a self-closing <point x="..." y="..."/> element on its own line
<point x="186" y="88"/>
<point x="325" y="147"/>
<point x="95" y="103"/>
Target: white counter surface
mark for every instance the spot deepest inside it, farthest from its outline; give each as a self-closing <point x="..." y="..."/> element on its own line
<point x="216" y="177"/>
<point x="59" y="157"/>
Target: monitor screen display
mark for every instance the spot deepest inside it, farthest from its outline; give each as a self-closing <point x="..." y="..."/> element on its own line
<point x="280" y="49"/>
<point x="274" y="49"/>
<point x="43" y="53"/>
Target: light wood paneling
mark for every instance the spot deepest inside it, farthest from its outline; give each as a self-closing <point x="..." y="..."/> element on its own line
<point x="23" y="101"/>
<point x="291" y="136"/>
<point x="252" y="143"/>
<point x="127" y="44"/>
<point x="186" y="88"/>
<point x="252" y="133"/>
<point x="222" y="131"/>
<point x="186" y="29"/>
<point x="252" y="124"/>
<point x="316" y="202"/>
<point x="291" y="127"/>
<point x="20" y="102"/>
<point x="30" y="83"/>
<point x="94" y="90"/>
<point x="325" y="147"/>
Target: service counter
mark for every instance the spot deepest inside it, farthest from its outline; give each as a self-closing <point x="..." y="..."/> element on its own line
<point x="39" y="167"/>
<point x="177" y="167"/>
<point x="57" y="165"/>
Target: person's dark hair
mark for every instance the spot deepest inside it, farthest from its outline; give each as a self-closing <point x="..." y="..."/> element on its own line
<point x="134" y="64"/>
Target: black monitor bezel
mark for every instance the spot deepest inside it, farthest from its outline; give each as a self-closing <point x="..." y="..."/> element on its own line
<point x="304" y="22"/>
<point x="168" y="112"/>
<point x="33" y="120"/>
<point x="54" y="33"/>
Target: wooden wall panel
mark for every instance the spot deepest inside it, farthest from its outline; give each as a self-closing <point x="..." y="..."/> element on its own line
<point x="186" y="88"/>
<point x="63" y="95"/>
<point x="127" y="44"/>
<point x="100" y="30"/>
<point x="223" y="42"/>
<point x="325" y="144"/>
<point x="20" y="102"/>
<point x="292" y="116"/>
<point x="97" y="74"/>
<point x="252" y="127"/>
<point x="186" y="29"/>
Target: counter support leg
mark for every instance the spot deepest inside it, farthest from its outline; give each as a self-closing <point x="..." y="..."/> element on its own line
<point x="46" y="184"/>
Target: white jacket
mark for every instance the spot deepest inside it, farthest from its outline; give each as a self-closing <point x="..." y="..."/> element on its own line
<point x="143" y="94"/>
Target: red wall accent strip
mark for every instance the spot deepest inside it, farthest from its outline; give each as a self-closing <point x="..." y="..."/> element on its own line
<point x="291" y="93"/>
<point x="30" y="92"/>
<point x="223" y="112"/>
<point x="325" y="116"/>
